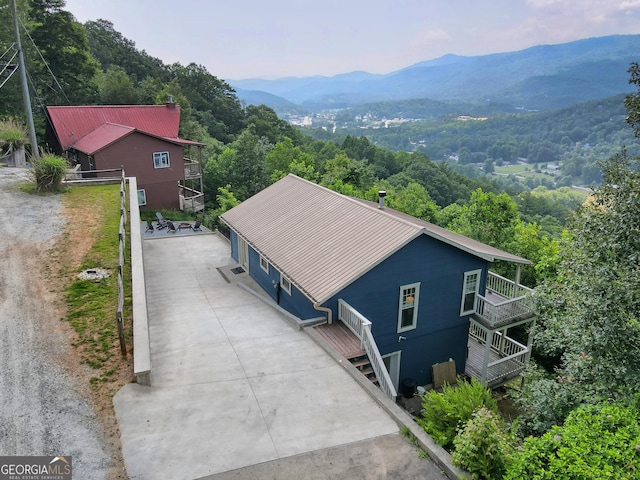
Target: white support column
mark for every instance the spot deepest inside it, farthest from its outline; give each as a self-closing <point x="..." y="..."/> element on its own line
<point x="487" y="350"/>
<point x="516" y="288"/>
<point x="501" y="347"/>
<point x="529" y="342"/>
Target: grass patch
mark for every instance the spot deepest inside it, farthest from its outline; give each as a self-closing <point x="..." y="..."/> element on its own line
<point x="91" y="305"/>
<point x="413" y="441"/>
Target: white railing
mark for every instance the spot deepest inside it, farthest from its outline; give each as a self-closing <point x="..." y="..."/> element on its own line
<point x="384" y="380"/>
<point x="512" y="354"/>
<point x="502" y="313"/>
<point x="505" y="287"/>
<point x="356" y="322"/>
<point x="190" y="200"/>
<point x="361" y="327"/>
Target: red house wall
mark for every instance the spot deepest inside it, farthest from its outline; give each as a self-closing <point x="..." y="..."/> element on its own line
<point x="135" y="153"/>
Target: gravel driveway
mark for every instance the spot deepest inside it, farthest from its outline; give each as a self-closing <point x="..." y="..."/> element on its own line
<point x="43" y="410"/>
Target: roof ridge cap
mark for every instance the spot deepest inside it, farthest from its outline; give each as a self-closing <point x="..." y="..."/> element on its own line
<point x="357" y="201"/>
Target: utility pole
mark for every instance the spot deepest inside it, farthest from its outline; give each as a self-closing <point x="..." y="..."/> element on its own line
<point x="25" y="87"/>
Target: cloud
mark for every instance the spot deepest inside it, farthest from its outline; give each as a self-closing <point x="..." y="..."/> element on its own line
<point x="427" y="37"/>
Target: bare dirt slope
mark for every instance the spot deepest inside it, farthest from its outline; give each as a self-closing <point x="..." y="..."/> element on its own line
<point x="45" y="401"/>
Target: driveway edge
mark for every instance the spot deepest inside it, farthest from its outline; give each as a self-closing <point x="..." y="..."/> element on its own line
<point x="438" y="454"/>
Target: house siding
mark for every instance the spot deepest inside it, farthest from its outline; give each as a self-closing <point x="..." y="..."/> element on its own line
<point x="440" y="332"/>
<point x="135" y="154"/>
<point x="296" y="303"/>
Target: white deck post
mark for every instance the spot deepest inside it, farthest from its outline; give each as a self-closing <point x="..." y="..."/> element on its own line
<point x="501" y="348"/>
<point x="487" y="350"/>
<point x="517" y="285"/>
<point x="529" y="342"/>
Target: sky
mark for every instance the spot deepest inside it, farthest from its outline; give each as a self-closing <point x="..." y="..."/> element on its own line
<point x="240" y="39"/>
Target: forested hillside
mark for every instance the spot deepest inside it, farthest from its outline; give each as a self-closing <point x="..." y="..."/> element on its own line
<point x="574" y="138"/>
<point x="585" y="254"/>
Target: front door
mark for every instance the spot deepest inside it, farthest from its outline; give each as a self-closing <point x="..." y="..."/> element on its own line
<point x="243" y="253"/>
<point x="392" y="362"/>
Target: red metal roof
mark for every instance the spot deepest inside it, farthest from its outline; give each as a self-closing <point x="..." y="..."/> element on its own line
<point x="101" y="137"/>
<point x="72" y="124"/>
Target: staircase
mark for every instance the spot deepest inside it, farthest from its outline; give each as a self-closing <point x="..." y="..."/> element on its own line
<point x="348" y="345"/>
<point x="363" y="364"/>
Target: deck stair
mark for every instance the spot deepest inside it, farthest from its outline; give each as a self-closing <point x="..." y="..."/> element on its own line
<point x="348" y="345"/>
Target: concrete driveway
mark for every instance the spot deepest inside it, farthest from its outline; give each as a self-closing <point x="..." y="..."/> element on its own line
<point x="233" y="382"/>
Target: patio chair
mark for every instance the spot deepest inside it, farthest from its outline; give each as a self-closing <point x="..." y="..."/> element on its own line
<point x="196" y="226"/>
<point x="162" y="222"/>
<point x="149" y="226"/>
<point x="171" y="226"/>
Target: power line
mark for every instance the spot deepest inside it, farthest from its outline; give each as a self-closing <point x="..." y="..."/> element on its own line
<point x="45" y="64"/>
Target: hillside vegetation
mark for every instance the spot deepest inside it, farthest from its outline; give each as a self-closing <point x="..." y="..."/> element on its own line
<point x="585" y="256"/>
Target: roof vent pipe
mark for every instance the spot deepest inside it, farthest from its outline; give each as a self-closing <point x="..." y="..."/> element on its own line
<point x="381" y="195"/>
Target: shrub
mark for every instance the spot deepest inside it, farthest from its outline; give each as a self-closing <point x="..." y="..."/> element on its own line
<point x="596" y="441"/>
<point x="49" y="172"/>
<point x="445" y="412"/>
<point x="12" y="133"/>
<point x="482" y="447"/>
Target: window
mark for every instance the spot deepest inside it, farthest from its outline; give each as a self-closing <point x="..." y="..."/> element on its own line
<point x="161" y="160"/>
<point x="285" y="283"/>
<point x="142" y="197"/>
<point x="408" y="309"/>
<point x="470" y="289"/>
<point x="264" y="264"/>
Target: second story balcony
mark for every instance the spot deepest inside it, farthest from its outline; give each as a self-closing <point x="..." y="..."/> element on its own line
<point x="505" y="302"/>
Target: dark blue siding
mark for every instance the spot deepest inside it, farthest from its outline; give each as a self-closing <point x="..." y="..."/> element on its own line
<point x="266" y="280"/>
<point x="296" y="303"/>
<point x="441" y="333"/>
<point x="233" y="237"/>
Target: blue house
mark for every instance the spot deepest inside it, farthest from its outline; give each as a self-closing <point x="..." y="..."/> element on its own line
<point x="414" y="294"/>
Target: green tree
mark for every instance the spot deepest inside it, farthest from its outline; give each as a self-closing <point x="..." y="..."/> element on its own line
<point x="599" y="441"/>
<point x="68" y="75"/>
<point x="264" y="122"/>
<point x="590" y="314"/>
<point x="116" y="88"/>
<point x="214" y="102"/>
<point x="285" y="158"/>
<point x="413" y="200"/>
<point x="111" y="48"/>
<point x="240" y="165"/>
<point x="489" y="218"/>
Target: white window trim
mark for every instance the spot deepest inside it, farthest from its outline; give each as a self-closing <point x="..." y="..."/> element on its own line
<point x="144" y="194"/>
<point x="158" y="160"/>
<point x="285" y="284"/>
<point x="416" y="302"/>
<point x="468" y="274"/>
<point x="264" y="264"/>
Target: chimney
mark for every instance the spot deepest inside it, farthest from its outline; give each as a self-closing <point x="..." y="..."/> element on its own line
<point x="381" y="195"/>
<point x="170" y="103"/>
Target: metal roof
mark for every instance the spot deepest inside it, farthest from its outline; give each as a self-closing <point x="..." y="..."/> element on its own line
<point x="101" y="137"/>
<point x="106" y="134"/>
<point x="74" y="123"/>
<point x="323" y="241"/>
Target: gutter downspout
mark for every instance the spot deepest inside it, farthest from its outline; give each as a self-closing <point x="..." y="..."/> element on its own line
<point x="328" y="311"/>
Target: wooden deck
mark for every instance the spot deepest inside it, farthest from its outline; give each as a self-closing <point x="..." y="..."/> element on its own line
<point x="343" y="339"/>
<point x="498" y="374"/>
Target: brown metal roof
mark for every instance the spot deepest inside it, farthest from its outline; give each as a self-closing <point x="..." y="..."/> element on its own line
<point x="323" y="241"/>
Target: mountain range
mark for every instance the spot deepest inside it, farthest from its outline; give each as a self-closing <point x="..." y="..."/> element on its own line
<point x="537" y="78"/>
